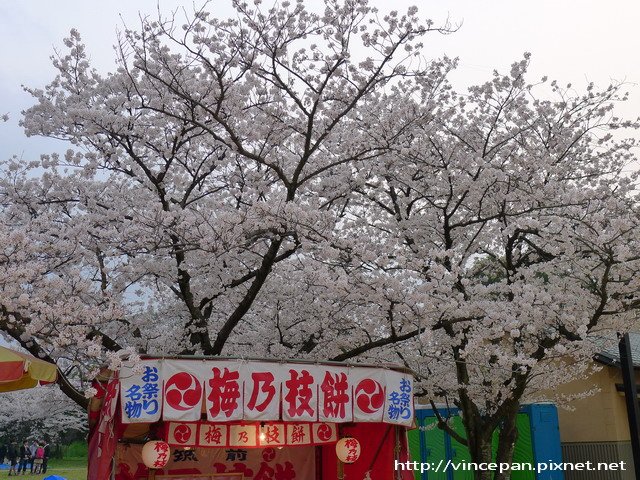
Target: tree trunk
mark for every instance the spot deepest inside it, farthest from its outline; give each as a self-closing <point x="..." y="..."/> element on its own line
<point x="480" y="451"/>
<point x="506" y="444"/>
<point x="480" y="434"/>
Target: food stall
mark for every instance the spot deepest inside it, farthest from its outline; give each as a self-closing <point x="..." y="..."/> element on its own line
<point x="187" y="418"/>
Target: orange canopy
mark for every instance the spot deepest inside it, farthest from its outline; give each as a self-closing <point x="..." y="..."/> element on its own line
<point x="20" y="370"/>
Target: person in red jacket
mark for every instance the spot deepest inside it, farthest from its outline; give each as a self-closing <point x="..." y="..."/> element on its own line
<point x="38" y="459"/>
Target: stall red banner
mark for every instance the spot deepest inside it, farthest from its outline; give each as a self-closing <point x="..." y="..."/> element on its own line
<point x="205" y="434"/>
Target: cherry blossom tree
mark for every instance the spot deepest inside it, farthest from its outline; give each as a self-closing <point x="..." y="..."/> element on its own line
<point x="40" y="413"/>
<point x="506" y="226"/>
<point x="297" y="184"/>
<point x="189" y="203"/>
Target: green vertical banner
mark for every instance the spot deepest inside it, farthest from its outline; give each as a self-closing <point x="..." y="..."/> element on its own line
<point x="523" y="450"/>
<point x="414" y="441"/>
<point x="435" y="449"/>
<point x="459" y="453"/>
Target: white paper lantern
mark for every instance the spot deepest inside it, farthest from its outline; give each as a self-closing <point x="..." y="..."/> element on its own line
<point x="348" y="449"/>
<point x="155" y="454"/>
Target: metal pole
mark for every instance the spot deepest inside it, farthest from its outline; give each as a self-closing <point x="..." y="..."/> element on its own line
<point x="631" y="397"/>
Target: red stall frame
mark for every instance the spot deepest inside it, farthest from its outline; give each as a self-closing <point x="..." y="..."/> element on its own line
<point x="181" y="402"/>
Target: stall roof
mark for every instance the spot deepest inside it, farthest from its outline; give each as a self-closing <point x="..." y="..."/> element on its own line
<point x="387" y="366"/>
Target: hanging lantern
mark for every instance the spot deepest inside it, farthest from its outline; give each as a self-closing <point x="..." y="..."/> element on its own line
<point x="348" y="449"/>
<point x="155" y="454"/>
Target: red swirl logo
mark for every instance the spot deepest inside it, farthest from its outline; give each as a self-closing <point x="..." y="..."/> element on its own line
<point x="268" y="454"/>
<point x="182" y="391"/>
<point x="324" y="432"/>
<point x="182" y="433"/>
<point x="369" y="396"/>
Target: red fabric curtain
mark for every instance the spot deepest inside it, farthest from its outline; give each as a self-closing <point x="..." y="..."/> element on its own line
<point x="103" y="437"/>
<point x="377" y="444"/>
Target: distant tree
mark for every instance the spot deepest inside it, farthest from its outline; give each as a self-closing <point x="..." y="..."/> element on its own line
<point x="39" y="413"/>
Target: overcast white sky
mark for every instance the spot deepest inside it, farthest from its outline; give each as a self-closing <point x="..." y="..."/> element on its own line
<point x="577" y="41"/>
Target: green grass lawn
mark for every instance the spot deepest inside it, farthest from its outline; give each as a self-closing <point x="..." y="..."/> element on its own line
<point x="69" y="468"/>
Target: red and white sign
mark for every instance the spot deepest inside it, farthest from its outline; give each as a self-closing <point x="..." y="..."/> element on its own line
<point x="324" y="433"/>
<point x="243" y="436"/>
<point x="335" y="396"/>
<point x="182" y="434"/>
<point x="273" y="435"/>
<point x="298" y="434"/>
<point x="213" y="435"/>
<point x="262" y="387"/>
<point x="223" y="391"/>
<point x="249" y="464"/>
<point x="300" y="393"/>
<point x="183" y="390"/>
<point x="368" y="394"/>
<point x="235" y="391"/>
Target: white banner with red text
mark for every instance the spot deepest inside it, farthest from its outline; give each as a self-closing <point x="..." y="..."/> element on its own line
<point x="233" y="391"/>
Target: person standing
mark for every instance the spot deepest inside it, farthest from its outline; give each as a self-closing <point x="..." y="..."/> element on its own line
<point x="25" y="456"/>
<point x="32" y="451"/>
<point x="47" y="451"/>
<point x="12" y="455"/>
<point x="37" y="459"/>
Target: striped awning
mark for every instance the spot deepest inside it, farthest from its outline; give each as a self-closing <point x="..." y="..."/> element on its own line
<point x="20" y="370"/>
